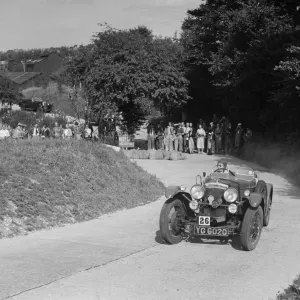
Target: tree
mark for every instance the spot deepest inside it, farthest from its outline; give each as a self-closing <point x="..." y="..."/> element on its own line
<point x="131" y="71"/>
<point x="8" y="94"/>
<point x="239" y="43"/>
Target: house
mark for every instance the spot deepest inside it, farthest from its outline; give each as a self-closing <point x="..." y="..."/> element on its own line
<point x="3" y="66"/>
<point x="21" y="80"/>
<point x="48" y="63"/>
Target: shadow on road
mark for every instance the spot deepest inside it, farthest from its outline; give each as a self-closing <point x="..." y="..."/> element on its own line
<point x="234" y="242"/>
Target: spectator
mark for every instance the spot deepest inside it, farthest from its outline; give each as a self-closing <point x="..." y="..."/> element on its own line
<point x="186" y="137"/>
<point x="211" y="139"/>
<point x="57" y="131"/>
<point x="228" y="139"/>
<point x="87" y="132"/>
<point x="18" y="133"/>
<point x="67" y="133"/>
<point x="47" y="132"/>
<point x="43" y="131"/>
<point x="247" y="135"/>
<point x="35" y="132"/>
<point x="77" y="132"/>
<point x="200" y="139"/>
<point x="205" y="127"/>
<point x="150" y="137"/>
<point x="191" y="139"/>
<point x="180" y="133"/>
<point x="169" y="135"/>
<point x="160" y="140"/>
<point x="218" y="137"/>
<point x="95" y="133"/>
<point x="175" y="136"/>
<point x="4" y="132"/>
<point x="238" y="138"/>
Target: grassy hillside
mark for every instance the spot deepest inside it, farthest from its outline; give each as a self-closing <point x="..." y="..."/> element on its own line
<point x="51" y="183"/>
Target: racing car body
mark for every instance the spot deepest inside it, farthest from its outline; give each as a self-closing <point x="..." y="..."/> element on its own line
<point x="220" y="205"/>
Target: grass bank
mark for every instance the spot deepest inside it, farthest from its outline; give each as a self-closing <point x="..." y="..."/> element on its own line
<point x="49" y="183"/>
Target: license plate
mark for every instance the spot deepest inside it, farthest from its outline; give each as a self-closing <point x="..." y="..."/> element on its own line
<point x="198" y="230"/>
<point x="204" y="221"/>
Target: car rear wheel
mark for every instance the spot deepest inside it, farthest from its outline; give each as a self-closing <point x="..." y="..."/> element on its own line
<point x="169" y="222"/>
<point x="251" y="228"/>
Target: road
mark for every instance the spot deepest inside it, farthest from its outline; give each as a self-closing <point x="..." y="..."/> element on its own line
<point x="121" y="256"/>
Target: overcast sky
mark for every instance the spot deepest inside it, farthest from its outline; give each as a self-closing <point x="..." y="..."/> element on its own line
<point x="45" y="23"/>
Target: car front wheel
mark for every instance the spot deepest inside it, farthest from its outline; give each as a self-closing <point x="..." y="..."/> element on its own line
<point x="251" y="228"/>
<point x="169" y="222"/>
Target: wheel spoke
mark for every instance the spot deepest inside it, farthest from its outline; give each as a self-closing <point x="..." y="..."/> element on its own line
<point x="174" y="216"/>
<point x="254" y="229"/>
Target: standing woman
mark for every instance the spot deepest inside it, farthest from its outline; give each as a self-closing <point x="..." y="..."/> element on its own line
<point x="191" y="139"/>
<point x="200" y="139"/>
<point x="169" y="137"/>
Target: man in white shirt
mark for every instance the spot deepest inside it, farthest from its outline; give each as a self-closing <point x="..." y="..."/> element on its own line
<point x="35" y="132"/>
<point x="4" y="132"/>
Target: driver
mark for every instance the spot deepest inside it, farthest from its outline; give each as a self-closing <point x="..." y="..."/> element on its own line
<point x="223" y="165"/>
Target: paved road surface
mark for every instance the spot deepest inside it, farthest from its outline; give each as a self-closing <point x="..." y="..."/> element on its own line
<point x="120" y="256"/>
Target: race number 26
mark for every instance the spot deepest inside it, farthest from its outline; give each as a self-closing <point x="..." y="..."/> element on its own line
<point x="204" y="221"/>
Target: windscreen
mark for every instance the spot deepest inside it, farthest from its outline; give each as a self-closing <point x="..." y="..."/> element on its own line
<point x="245" y="173"/>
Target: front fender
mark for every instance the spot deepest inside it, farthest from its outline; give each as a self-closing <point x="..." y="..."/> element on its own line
<point x="255" y="199"/>
<point x="171" y="191"/>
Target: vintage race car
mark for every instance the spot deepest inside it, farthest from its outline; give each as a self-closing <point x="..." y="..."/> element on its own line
<point x="220" y="205"/>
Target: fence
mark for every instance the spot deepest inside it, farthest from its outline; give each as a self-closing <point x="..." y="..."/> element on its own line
<point x="126" y="141"/>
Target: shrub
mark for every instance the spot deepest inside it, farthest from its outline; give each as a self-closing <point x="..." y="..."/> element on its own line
<point x="12" y="118"/>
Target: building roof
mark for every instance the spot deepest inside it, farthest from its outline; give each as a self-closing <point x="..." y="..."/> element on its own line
<point x="20" y="77"/>
<point x="33" y="61"/>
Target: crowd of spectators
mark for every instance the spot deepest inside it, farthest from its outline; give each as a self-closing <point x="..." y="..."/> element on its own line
<point x="217" y="137"/>
<point x="67" y="131"/>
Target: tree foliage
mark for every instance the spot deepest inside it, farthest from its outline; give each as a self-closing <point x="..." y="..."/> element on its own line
<point x="131" y="71"/>
<point x="237" y="45"/>
<point x="8" y="95"/>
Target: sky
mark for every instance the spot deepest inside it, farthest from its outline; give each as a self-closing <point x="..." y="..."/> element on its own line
<point x="29" y="24"/>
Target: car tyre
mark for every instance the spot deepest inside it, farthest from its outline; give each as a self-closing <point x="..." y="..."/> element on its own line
<point x="269" y="205"/>
<point x="169" y="230"/>
<point x="251" y="228"/>
<point x="262" y="189"/>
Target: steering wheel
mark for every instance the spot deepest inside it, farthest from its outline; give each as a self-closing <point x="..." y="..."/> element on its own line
<point x="221" y="170"/>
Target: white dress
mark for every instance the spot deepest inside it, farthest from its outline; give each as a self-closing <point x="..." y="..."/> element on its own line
<point x="200" y="138"/>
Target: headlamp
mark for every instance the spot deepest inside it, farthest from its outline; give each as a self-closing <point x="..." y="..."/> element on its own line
<point x="231" y="195"/>
<point x="193" y="205"/>
<point x="232" y="208"/>
<point x="197" y="191"/>
<point x="246" y="193"/>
